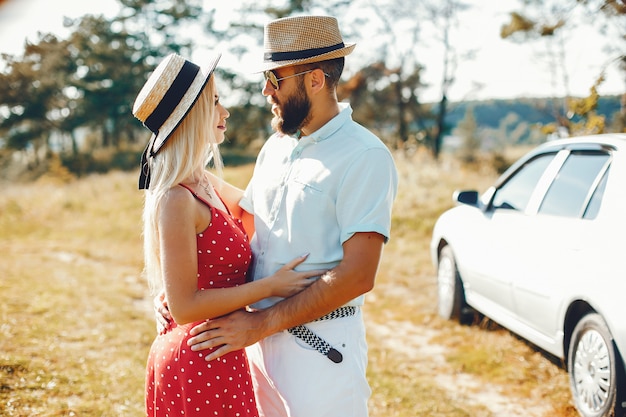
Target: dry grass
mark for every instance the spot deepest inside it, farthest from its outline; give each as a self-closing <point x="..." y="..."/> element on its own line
<point x="76" y="324"/>
<point x="75" y="330"/>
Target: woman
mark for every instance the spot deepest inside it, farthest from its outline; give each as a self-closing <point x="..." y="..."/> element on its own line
<point x="195" y="249"/>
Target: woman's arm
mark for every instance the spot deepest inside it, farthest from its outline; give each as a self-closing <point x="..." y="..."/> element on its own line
<point x="178" y="216"/>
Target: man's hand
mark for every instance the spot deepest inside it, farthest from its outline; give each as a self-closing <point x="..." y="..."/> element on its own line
<point x="227" y="333"/>
<point x="162" y="314"/>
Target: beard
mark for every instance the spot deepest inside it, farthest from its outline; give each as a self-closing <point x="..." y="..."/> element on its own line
<point x="295" y="112"/>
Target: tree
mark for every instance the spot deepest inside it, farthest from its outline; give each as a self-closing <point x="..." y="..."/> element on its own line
<point x="550" y="21"/>
<point x="91" y="78"/>
<point x="33" y="95"/>
<point x="585" y="108"/>
<point x="467" y="131"/>
<point x="111" y="68"/>
<point x="160" y="21"/>
<point x="392" y="29"/>
<point x="443" y="15"/>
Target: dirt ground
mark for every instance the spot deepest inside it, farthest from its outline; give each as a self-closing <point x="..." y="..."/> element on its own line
<point x="415" y="343"/>
<point x="425" y="345"/>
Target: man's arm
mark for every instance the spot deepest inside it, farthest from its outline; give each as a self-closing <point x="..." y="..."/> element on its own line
<point x="354" y="276"/>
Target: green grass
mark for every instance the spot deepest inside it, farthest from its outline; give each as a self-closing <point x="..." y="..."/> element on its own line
<point x="76" y="321"/>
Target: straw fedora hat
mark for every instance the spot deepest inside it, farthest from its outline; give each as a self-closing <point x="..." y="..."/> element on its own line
<point x="165" y="99"/>
<point x="302" y="40"/>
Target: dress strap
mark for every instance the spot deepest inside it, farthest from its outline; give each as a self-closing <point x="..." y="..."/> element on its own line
<point x="202" y="200"/>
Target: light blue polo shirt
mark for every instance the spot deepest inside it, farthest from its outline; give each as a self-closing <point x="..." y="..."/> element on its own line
<point x="310" y="195"/>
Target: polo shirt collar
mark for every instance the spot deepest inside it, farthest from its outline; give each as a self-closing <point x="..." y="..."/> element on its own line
<point x="333" y="125"/>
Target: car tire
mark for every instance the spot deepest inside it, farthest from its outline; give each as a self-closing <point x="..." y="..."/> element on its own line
<point x="595" y="370"/>
<point x="451" y="303"/>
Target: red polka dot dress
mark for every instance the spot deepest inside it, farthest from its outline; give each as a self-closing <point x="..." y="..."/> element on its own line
<point x="179" y="382"/>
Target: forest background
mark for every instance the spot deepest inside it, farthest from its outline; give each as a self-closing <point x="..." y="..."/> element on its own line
<point x="65" y="101"/>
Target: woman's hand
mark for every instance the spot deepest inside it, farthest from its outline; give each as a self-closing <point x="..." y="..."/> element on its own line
<point x="162" y="313"/>
<point x="286" y="281"/>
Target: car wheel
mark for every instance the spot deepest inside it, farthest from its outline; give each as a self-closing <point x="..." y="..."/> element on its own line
<point x="450" y="293"/>
<point x="592" y="366"/>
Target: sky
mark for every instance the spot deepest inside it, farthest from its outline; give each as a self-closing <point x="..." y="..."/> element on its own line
<point x="500" y="69"/>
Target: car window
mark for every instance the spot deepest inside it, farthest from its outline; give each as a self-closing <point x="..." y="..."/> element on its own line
<point x="594" y="205"/>
<point x="517" y="190"/>
<point x="571" y="189"/>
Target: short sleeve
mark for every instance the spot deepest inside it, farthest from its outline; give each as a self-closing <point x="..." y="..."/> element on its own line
<point x="246" y="200"/>
<point x="366" y="194"/>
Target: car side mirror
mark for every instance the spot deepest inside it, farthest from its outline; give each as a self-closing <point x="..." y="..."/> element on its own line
<point x="466" y="197"/>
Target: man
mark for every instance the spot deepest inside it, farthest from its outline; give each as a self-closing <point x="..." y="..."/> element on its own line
<point x="322" y="185"/>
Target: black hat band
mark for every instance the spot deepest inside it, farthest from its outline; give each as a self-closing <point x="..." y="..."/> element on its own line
<point x="307" y="53"/>
<point x="172" y="97"/>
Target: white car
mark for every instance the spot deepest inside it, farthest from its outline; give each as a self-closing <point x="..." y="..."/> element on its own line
<point x="543" y="253"/>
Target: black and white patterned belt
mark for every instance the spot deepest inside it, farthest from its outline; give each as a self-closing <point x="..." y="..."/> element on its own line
<point x="304" y="333"/>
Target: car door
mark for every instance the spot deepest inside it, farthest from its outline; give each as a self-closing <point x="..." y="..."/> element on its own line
<point x="561" y="231"/>
<point x="504" y="242"/>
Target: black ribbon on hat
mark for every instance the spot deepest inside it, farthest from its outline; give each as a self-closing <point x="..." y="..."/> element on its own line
<point x="306" y="53"/>
<point x="161" y="113"/>
<point x="172" y="97"/>
<point x="144" y="170"/>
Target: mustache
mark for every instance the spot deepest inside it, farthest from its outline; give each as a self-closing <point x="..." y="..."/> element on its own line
<point x="273" y="100"/>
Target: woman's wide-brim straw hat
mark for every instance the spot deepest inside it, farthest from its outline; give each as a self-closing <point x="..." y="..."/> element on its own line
<point x="302" y="40"/>
<point x="165" y="99"/>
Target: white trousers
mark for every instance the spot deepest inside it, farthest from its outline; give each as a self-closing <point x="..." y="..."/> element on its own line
<point x="291" y="379"/>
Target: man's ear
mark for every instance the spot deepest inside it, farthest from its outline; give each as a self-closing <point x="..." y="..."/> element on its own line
<point x="318" y="80"/>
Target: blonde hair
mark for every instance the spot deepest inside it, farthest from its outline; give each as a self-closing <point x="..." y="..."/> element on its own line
<point x="188" y="151"/>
